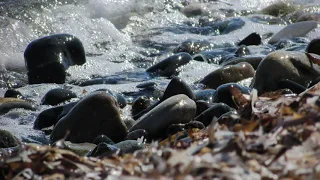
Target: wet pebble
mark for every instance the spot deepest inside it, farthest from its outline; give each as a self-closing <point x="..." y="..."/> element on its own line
<point x="193" y="46"/>
<point x="206" y="95"/>
<point x="103" y="139"/>
<point x="279" y="9"/>
<point x="147" y="85"/>
<point x="57" y="96"/>
<point x="251" y="39"/>
<point x="48" y="58"/>
<point x="7" y="140"/>
<point x="140" y="104"/>
<point x="228" y="74"/>
<point x="294" y="66"/>
<point x="254" y="61"/>
<point x="309" y="17"/>
<point x="195" y="9"/>
<point x="134" y="135"/>
<point x="215" y="111"/>
<point x="242" y="51"/>
<point x="176" y="109"/>
<point x="314" y="46"/>
<point x="223" y="93"/>
<point x="171" y="65"/>
<point x="12" y="93"/>
<point x="95" y="114"/>
<point x="176" y="86"/>
<point x="51" y="116"/>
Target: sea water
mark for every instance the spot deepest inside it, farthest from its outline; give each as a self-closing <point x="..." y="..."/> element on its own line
<point x="121" y="39"/>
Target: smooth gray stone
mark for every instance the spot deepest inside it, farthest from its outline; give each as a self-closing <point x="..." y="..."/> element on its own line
<point x="94" y="115"/>
<point x="280" y="65"/>
<point x="294" y="30"/>
<point x="174" y="110"/>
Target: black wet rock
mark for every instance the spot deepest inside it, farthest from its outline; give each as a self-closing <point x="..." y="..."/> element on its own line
<point x="206" y="95"/>
<point x="281" y="65"/>
<point x="147" y="85"/>
<point x="253" y="60"/>
<point x="48" y="58"/>
<point x="134" y="135"/>
<point x="51" y="116"/>
<point x="57" y="96"/>
<point x="314" y="46"/>
<point x="228" y="74"/>
<point x="176" y="109"/>
<point x="201" y="106"/>
<point x="242" y="51"/>
<point x="129" y="146"/>
<point x="176" y="86"/>
<point x="12" y="93"/>
<point x="214" y="56"/>
<point x="251" y="39"/>
<point x="102" y="139"/>
<point x="7" y="140"/>
<point x="223" y="93"/>
<point x="10" y="105"/>
<point x="95" y="114"/>
<point x="47" y="118"/>
<point x="215" y="111"/>
<point x="140" y="104"/>
<point x="170" y="66"/>
<point x="193" y="46"/>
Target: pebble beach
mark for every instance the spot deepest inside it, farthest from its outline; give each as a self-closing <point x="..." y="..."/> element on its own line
<point x="176" y="89"/>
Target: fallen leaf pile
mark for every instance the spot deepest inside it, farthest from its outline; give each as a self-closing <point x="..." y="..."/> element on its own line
<point x="273" y="136"/>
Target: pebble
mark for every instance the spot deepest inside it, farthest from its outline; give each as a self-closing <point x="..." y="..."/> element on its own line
<point x="10" y="105"/>
<point x="51" y="116"/>
<point x="228" y="74"/>
<point x="134" y="135"/>
<point x="294" y="30"/>
<point x="170" y="66"/>
<point x="223" y="93"/>
<point x="7" y="140"/>
<point x="176" y="109"/>
<point x="251" y="39"/>
<point x="215" y="111"/>
<point x="140" y="104"/>
<point x="281" y="65"/>
<point x="102" y="139"/>
<point x="95" y="114"/>
<point x="193" y="46"/>
<point x="57" y="96"/>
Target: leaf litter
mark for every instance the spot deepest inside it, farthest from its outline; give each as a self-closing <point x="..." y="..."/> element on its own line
<point x="273" y="136"/>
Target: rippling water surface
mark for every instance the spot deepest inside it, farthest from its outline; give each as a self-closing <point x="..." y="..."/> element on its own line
<point x="121" y="38"/>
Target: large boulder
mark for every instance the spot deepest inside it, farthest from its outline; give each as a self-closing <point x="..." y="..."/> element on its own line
<point x="47" y="58"/>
